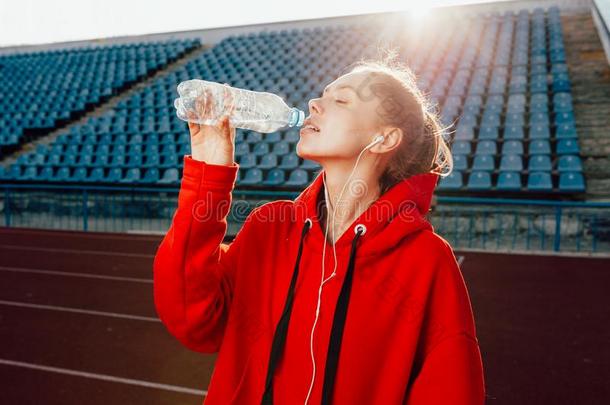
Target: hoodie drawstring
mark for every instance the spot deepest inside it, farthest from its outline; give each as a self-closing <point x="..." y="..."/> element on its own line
<point x="336" y="335"/>
<point x="281" y="330"/>
<point x="279" y="337"/>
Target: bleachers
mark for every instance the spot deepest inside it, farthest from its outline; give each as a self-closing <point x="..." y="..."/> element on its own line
<point x="141" y="141"/>
<point x="41" y="89"/>
<point x="501" y="79"/>
<point x="506" y="86"/>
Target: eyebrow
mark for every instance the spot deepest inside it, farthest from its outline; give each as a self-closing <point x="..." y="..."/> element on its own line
<point x="345" y="86"/>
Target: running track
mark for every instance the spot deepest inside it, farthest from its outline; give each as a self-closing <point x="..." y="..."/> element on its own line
<point x="78" y="325"/>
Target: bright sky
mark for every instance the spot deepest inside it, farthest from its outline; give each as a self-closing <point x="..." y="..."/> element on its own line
<point x="24" y="22"/>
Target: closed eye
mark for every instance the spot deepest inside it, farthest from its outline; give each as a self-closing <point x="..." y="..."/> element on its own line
<point x="341" y="101"/>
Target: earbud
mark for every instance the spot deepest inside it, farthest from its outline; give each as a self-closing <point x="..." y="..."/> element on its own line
<point x="378" y="139"/>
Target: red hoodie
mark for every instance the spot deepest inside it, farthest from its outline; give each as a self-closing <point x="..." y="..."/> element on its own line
<point x="395" y="324"/>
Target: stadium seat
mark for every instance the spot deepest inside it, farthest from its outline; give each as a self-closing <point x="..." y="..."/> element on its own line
<point x="539" y="131"/>
<point x="511" y="163"/>
<point x="509" y="181"/>
<point x="479" y="180"/>
<point x="170" y="176"/>
<point x="514" y="132"/>
<point x="483" y="162"/>
<point x="309" y="164"/>
<point x="460" y="162"/>
<point x="275" y="177"/>
<point x="253" y="176"/>
<point x="571" y="181"/>
<point x="569" y="163"/>
<point x="539" y="181"/>
<point x="512" y="148"/>
<point x="298" y="177"/>
<point x="151" y="176"/>
<point x="567" y="147"/>
<point x="96" y="175"/>
<point x="539" y="163"/>
<point x="247" y="161"/>
<point x="133" y="175"/>
<point x="540" y="148"/>
<point x="289" y="161"/>
<point x="486" y="148"/>
<point x="451" y="182"/>
<point x="566" y="130"/>
<point x="461" y="148"/>
<point x="268" y="161"/>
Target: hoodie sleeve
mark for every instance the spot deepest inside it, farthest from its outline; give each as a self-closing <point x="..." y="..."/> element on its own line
<point x="193" y="270"/>
<point x="449" y="369"/>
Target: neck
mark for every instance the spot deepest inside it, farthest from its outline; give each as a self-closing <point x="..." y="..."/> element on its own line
<point x="361" y="191"/>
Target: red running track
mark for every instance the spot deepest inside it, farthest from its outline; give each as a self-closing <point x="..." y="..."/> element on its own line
<point x="78" y="325"/>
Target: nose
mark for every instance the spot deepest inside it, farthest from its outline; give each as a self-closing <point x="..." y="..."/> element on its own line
<point x="314" y="106"/>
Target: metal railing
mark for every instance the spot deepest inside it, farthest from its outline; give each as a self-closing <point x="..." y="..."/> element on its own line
<point x="467" y="223"/>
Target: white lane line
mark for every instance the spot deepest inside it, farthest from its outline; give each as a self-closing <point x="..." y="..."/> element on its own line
<point x="75" y="274"/>
<point x="105" y="377"/>
<point x="77" y="251"/>
<point x="79" y="311"/>
<point x="460" y="259"/>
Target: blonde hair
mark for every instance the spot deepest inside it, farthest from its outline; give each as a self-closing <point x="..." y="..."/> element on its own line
<point x="424" y="147"/>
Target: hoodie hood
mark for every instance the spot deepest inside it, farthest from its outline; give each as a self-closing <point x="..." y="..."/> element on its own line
<point x="398" y="212"/>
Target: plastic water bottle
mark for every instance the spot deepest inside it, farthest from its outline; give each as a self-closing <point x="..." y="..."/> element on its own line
<point x="204" y="102"/>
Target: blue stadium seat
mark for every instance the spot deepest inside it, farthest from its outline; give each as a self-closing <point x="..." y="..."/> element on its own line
<point x="511" y="163"/>
<point x="512" y="148"/>
<point x="275" y="177"/>
<point x="133" y="175"/>
<point x="170" y="176"/>
<point x="79" y="175"/>
<point x="460" y="162"/>
<point x="514" y="132"/>
<point x="451" y="182"/>
<point x="567" y="147"/>
<point x="115" y="175"/>
<point x="479" y="180"/>
<point x="289" y="161"/>
<point x="569" y="163"/>
<point x="309" y="164"/>
<point x="247" y="161"/>
<point x="298" y="177"/>
<point x="269" y="161"/>
<point x="539" y="163"/>
<point x="539" y="131"/>
<point x="509" y="181"/>
<point x="253" y="177"/>
<point x="63" y="174"/>
<point x="540" y="148"/>
<point x="566" y="130"/>
<point x="261" y="149"/>
<point x="571" y="181"/>
<point x="46" y="174"/>
<point x="96" y="175"/>
<point x="486" y="148"/>
<point x="151" y="176"/>
<point x="483" y="162"/>
<point x="461" y="148"/>
<point x="539" y="181"/>
<point x="488" y="132"/>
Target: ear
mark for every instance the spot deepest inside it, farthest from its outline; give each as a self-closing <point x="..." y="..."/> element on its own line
<point x="393" y="137"/>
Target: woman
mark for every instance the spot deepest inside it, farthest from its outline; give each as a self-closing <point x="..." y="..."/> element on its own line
<point x="356" y="301"/>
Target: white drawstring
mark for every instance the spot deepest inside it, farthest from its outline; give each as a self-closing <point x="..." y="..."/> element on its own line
<point x="322" y="280"/>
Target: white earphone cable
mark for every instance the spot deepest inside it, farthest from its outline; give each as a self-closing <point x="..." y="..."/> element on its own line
<point x="322" y="280"/>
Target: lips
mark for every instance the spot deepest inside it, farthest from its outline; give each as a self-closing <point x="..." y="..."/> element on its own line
<point x="309" y="125"/>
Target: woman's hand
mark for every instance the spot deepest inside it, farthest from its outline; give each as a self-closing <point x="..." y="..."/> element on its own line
<point x="213" y="144"/>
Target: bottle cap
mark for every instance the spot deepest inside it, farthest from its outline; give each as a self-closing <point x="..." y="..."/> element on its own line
<point x="297" y="118"/>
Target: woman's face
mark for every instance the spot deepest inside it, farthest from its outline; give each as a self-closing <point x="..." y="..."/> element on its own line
<point x="347" y="118"/>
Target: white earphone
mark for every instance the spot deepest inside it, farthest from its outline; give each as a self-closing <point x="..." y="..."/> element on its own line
<point x="376" y="140"/>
